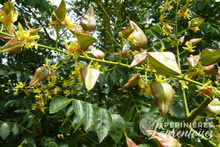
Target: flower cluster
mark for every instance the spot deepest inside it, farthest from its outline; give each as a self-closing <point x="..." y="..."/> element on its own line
<point x="26" y="38"/>
<point x="8" y="16"/>
<point x="45" y="92"/>
<point x="166" y="6"/>
<point x="189" y="47"/>
<point x="73" y="46"/>
<point x="183" y="12"/>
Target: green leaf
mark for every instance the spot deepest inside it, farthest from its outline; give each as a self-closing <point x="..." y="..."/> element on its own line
<point x="129" y="113"/>
<point x="117" y="127"/>
<point x="15" y="129"/>
<point x="85" y="40"/>
<point x="4" y="130"/>
<point x="30" y="142"/>
<point x="75" y="138"/>
<point x="209" y="56"/>
<point x="58" y="103"/>
<point x="66" y="125"/>
<point x="79" y="109"/>
<point x="3" y="73"/>
<point x="164" y="63"/>
<point x="70" y="111"/>
<point x="48" y="142"/>
<point x="89" y="117"/>
<point x="90" y="76"/>
<point x="143" y="145"/>
<point x="33" y="2"/>
<point x="201" y="5"/>
<point x="102" y="123"/>
<point x="163" y="93"/>
<point x="88" y="21"/>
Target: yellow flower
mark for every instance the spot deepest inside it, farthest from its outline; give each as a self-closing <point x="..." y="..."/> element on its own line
<point x="162" y="18"/>
<point x="67" y="93"/>
<point x="25" y="37"/>
<point x="8" y="16"/>
<point x="167" y="6"/>
<point x="65" y="84"/>
<point x="195" y="29"/>
<point x="148" y="91"/>
<point x="185" y="13"/>
<point x="164" y="31"/>
<point x="74" y="46"/>
<point x="189" y="47"/>
<point x="131" y="38"/>
<point x="20" y="85"/>
<point x="77" y="71"/>
<point x="167" y="26"/>
<point x="97" y="65"/>
<point x="37" y="90"/>
<point x="64" y="23"/>
<point x="56" y="90"/>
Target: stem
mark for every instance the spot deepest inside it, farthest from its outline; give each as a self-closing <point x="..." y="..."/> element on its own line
<point x="194" y="113"/>
<point x="6" y="34"/>
<point x="176" y="27"/>
<point x="189" y="80"/>
<point x="121" y="64"/>
<point x="185" y="103"/>
<point x="107" y="62"/>
<point x="57" y="37"/>
<point x="52" y="48"/>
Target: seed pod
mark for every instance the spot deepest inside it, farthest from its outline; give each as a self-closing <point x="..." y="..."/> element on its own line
<point x="193" y="60"/>
<point x="12" y="45"/>
<point x="137" y="36"/>
<point x="88" y="21"/>
<point x="133" y="81"/>
<point x="130" y="142"/>
<point x="195" y="22"/>
<point x="97" y="53"/>
<point x="60" y="13"/>
<point x="164" y="140"/>
<point x="40" y="74"/>
<point x="164" y="63"/>
<point x="211" y="70"/>
<point x="139" y="58"/>
<point x="210" y="56"/>
<point x="214" y="106"/>
<point x="163" y="93"/>
<point x="90" y="76"/>
<point x="124" y="53"/>
<point x="125" y="33"/>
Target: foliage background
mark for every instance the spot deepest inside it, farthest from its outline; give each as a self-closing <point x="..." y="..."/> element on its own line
<point x="30" y="127"/>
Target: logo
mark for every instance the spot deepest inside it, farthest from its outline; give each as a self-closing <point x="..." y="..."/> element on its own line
<point x="169" y="128"/>
<point x="147" y="123"/>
